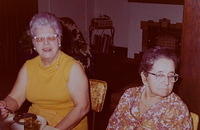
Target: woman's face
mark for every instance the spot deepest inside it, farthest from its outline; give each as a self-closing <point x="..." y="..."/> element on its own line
<point x="46" y="42"/>
<point x="162" y="84"/>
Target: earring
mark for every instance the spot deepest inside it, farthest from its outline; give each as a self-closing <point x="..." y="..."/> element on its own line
<point x="59" y="45"/>
<point x="34" y="48"/>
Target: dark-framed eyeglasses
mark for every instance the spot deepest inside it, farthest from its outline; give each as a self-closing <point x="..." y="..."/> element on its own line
<point x="41" y="39"/>
<point x="172" y="77"/>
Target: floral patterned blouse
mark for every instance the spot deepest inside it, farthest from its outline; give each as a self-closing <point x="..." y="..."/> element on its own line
<point x="168" y="114"/>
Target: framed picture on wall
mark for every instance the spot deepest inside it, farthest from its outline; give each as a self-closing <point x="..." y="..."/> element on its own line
<point x="176" y="2"/>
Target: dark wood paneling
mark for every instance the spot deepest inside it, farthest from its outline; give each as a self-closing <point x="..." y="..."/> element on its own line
<point x="190" y="56"/>
<point x="15" y="16"/>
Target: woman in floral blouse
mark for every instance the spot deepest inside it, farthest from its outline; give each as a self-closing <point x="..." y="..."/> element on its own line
<point x="153" y="106"/>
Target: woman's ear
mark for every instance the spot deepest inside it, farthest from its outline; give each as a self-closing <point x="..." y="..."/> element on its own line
<point x="144" y="79"/>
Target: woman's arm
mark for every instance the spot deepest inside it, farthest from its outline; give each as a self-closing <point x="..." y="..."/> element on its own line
<point x="17" y="96"/>
<point x="78" y="87"/>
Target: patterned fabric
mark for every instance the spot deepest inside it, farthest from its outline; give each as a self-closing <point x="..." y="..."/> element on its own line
<point x="98" y="90"/>
<point x="168" y="114"/>
<point x="47" y="89"/>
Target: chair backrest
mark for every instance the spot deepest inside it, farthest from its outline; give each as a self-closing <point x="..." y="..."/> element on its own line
<point x="98" y="90"/>
<point x="195" y="120"/>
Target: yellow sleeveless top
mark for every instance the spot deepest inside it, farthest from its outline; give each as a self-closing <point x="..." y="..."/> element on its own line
<point x="47" y="89"/>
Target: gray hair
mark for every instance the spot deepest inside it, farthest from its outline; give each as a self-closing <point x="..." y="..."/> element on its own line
<point x="43" y="19"/>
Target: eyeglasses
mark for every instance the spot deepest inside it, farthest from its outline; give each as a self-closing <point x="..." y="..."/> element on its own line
<point x="172" y="77"/>
<point x="48" y="38"/>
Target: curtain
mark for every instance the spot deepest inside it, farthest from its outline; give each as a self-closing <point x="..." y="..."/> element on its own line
<point x="14" y="18"/>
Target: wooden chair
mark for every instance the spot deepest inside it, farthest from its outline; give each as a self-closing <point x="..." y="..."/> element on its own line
<point x="98" y="89"/>
<point x="195" y="120"/>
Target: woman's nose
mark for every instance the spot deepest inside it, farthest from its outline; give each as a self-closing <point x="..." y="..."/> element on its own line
<point x="46" y="41"/>
<point x="166" y="80"/>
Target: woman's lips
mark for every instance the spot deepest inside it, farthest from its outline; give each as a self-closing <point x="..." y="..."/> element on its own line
<point x="46" y="49"/>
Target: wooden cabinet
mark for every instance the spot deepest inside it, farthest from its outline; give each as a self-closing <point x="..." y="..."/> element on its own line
<point x="161" y="33"/>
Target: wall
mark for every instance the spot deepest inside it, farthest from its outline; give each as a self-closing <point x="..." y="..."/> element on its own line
<point x="126" y="16"/>
<point x="75" y="9"/>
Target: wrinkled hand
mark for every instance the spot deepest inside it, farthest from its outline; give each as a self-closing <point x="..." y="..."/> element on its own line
<point x="3" y="111"/>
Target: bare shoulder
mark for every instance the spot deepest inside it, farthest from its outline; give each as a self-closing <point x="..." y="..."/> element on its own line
<point x="78" y="84"/>
<point x="78" y="66"/>
<point x="77" y="76"/>
<point x="23" y="70"/>
<point x="18" y="91"/>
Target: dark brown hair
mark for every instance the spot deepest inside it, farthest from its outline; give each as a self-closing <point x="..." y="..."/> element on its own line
<point x="153" y="54"/>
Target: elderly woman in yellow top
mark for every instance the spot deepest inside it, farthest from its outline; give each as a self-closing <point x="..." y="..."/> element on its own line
<point x="153" y="106"/>
<point x="53" y="82"/>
